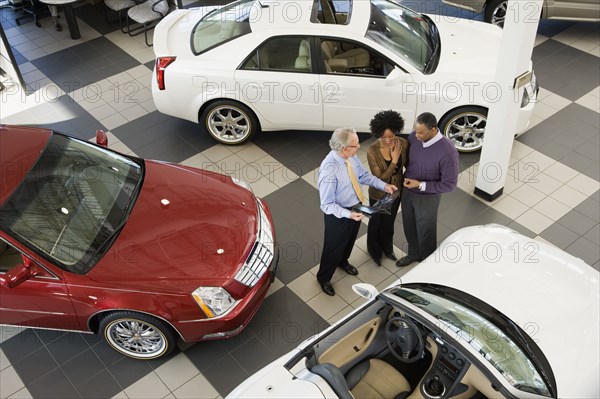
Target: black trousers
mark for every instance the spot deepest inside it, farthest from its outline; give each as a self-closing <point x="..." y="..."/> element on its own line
<point x="340" y="235"/>
<point x="380" y="233"/>
<point x="419" y="216"/>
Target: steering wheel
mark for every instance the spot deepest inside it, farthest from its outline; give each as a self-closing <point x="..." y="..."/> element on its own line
<point x="403" y="334"/>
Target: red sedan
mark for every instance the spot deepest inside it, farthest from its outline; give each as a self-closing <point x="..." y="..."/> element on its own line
<point x="142" y="252"/>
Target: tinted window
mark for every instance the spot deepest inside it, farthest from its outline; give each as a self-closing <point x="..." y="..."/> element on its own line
<point x="222" y="25"/>
<point x="289" y="54"/>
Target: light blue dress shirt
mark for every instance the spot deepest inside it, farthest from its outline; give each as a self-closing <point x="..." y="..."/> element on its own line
<point x="335" y="188"/>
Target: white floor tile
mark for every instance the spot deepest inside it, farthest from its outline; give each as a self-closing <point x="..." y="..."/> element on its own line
<point x="177" y="371"/>
<point x="510" y="207"/>
<point x="528" y="195"/>
<point x="148" y="387"/>
<point x="21" y="394"/>
<point x="568" y="196"/>
<point x="327" y="306"/>
<point x="561" y="172"/>
<point x="584" y="184"/>
<point x="552" y="208"/>
<point x="306" y="286"/>
<point x="10" y="382"/>
<point x="534" y="221"/>
<point x="197" y="388"/>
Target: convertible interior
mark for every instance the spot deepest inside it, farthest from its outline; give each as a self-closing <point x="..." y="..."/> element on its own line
<point x="382" y="352"/>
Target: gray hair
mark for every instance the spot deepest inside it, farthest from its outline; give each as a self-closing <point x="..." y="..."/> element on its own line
<point x="341" y="138"/>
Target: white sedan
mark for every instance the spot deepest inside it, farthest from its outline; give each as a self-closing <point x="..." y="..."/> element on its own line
<point x="319" y="64"/>
<point x="491" y="314"/>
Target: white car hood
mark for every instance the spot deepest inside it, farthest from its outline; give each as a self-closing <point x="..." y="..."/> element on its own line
<point x="469" y="48"/>
<point x="550" y="294"/>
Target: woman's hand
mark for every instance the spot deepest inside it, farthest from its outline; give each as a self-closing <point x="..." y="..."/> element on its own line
<point x="396" y="150"/>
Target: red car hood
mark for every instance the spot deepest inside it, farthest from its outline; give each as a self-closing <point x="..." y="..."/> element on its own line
<point x="201" y="237"/>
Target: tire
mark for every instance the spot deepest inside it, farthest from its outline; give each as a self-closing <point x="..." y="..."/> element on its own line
<point x="229" y="122"/>
<point x="465" y="127"/>
<point x="121" y="331"/>
<point x="495" y="12"/>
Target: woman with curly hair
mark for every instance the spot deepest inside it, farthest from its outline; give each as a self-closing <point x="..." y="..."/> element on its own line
<point x="387" y="158"/>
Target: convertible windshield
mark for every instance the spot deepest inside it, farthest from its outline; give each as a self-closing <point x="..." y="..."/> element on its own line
<point x="489" y="339"/>
<point x="72" y="202"/>
<point x="222" y="25"/>
<point x="405" y="32"/>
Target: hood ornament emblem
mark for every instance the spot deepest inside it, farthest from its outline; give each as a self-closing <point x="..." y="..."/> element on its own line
<point x="220" y="251"/>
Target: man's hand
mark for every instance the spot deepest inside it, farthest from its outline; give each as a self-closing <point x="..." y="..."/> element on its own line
<point x="356" y="216"/>
<point x="411" y="183"/>
<point x="390" y="188"/>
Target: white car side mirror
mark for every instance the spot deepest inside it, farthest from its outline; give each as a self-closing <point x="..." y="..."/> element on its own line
<point x="395" y="77"/>
<point x="365" y="290"/>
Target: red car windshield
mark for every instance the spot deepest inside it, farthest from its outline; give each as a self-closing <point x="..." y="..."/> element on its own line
<point x="73" y="202"/>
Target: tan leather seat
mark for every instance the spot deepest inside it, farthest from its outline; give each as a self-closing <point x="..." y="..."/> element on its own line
<point x="303" y="60"/>
<point x="370" y="379"/>
<point x="379" y="380"/>
<point x="354" y="58"/>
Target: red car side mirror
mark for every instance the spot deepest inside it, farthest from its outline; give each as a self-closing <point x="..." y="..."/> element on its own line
<point x="18" y="274"/>
<point x="101" y="138"/>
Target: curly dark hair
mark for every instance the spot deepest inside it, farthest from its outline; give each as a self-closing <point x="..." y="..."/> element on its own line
<point x="383" y="120"/>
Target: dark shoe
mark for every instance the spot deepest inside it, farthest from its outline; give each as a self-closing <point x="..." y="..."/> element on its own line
<point x="328" y="288"/>
<point x="391" y="256"/>
<point x="376" y="259"/>
<point x="405" y="261"/>
<point x="350" y="270"/>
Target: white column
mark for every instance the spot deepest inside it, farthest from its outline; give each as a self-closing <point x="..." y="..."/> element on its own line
<point x="516" y="46"/>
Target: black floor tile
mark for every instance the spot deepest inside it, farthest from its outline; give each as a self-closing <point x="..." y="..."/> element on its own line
<point x="83" y="367"/>
<point x="94" y="15"/>
<point x="66" y="347"/>
<point x="34" y="366"/>
<point x="101" y="385"/>
<point x="224" y="374"/>
<point x="559" y="235"/>
<point x="82" y="64"/>
<point x="54" y="385"/>
<point x="253" y="356"/>
<point x="21" y="345"/>
<point x="106" y="354"/>
<point x="586" y="250"/>
<point x="128" y="371"/>
<point x="577" y="222"/>
<point x="204" y="354"/>
<point x="589" y="208"/>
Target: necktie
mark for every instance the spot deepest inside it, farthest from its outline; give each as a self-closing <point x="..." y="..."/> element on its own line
<point x="355" y="185"/>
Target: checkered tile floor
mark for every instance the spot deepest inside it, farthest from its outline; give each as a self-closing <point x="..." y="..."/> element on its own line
<point x="102" y="82"/>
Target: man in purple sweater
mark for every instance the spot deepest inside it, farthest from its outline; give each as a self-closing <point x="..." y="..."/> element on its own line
<point x="432" y="170"/>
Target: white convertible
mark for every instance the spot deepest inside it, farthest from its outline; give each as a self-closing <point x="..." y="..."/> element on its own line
<point x="319" y="64"/>
<point x="491" y="314"/>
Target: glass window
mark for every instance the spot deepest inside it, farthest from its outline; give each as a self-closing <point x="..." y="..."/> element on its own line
<point x="222" y="25"/>
<point x="497" y="347"/>
<point x="410" y="35"/>
<point x="9" y="257"/>
<point x="73" y="202"/>
<point x="285" y="53"/>
<point x="347" y="57"/>
<point x="333" y="12"/>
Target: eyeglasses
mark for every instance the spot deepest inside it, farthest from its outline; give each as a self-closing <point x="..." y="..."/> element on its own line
<point x="352" y="146"/>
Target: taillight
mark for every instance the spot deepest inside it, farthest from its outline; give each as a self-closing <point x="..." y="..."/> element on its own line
<point x="161" y="64"/>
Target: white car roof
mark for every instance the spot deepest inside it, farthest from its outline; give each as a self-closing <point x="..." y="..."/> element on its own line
<point x="552" y="295"/>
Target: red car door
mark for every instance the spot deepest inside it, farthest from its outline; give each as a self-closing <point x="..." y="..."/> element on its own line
<point x="42" y="300"/>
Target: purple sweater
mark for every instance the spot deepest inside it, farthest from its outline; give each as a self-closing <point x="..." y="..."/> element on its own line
<point x="436" y="165"/>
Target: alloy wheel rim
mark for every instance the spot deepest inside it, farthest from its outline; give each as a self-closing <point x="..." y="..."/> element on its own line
<point x="229" y="124"/>
<point x="466" y="131"/>
<point x="136" y="338"/>
<point x="499" y="14"/>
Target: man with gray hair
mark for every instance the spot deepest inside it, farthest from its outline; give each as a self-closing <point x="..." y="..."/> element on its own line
<point x="340" y="176"/>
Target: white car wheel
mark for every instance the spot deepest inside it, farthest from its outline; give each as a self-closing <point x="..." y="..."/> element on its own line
<point x="229" y="122"/>
<point x="465" y="128"/>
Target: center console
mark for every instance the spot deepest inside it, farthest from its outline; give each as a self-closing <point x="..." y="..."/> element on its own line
<point x="442" y="380"/>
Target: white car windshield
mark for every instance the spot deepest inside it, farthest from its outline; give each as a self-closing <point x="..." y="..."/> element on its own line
<point x="222" y="25"/>
<point x="72" y="202"/>
<point x="467" y="325"/>
<point x="410" y="35"/>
